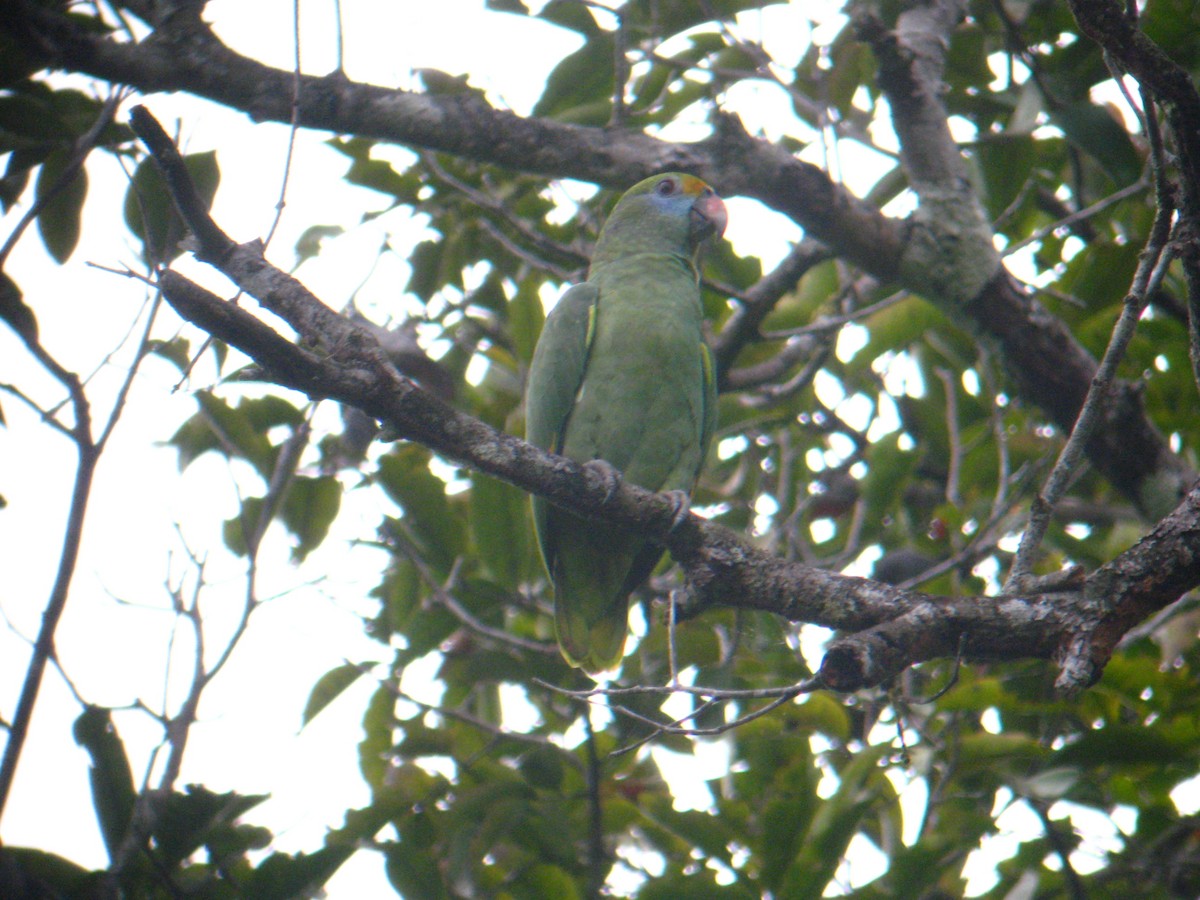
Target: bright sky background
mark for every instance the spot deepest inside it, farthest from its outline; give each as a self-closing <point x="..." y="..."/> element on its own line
<point x="116" y="636"/>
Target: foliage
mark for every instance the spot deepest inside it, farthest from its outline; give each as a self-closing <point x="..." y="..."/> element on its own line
<point x="896" y="443"/>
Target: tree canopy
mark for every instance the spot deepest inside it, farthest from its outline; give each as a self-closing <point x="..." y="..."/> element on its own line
<point x="937" y="575"/>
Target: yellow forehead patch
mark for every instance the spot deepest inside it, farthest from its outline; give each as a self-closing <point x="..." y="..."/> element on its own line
<point x="692" y="185"/>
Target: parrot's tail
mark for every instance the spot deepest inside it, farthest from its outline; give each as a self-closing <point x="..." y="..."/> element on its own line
<point x="591" y="595"/>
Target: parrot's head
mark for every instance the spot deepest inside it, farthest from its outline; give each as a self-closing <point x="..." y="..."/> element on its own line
<point x="670" y="210"/>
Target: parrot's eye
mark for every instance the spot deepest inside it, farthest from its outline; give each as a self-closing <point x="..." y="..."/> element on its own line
<point x="666" y="187"/>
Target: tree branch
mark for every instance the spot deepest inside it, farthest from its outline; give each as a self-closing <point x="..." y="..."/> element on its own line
<point x="950" y="258"/>
<point x="1171" y="85"/>
<point x="893" y="628"/>
<point x="1049" y="368"/>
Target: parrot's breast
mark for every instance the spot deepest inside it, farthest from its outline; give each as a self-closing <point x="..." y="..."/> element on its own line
<point x="640" y="404"/>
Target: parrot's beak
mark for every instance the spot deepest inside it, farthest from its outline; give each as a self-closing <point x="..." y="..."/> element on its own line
<point x="708" y="216"/>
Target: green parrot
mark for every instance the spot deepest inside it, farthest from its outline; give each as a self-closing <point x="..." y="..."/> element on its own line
<point x="622" y="374"/>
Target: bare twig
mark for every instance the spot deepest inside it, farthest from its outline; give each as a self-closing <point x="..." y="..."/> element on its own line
<point x="442" y="593"/>
<point x="1151" y="270"/>
<point x="1040" y="234"/>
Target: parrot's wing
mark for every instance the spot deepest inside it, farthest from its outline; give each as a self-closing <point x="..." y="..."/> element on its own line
<point x="554" y="379"/>
<point x="710" y="403"/>
<point x="648" y="557"/>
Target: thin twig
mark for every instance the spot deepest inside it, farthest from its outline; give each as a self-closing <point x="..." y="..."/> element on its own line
<point x="954" y="465"/>
<point x="441" y="593"/>
<point x="1098" y="207"/>
<point x="475" y="722"/>
<point x="1151" y="270"/>
<point x="294" y="124"/>
<point x="596" y="854"/>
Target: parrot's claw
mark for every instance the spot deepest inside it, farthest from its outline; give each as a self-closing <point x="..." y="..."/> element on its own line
<point x="606" y="473"/>
<point x="682" y="502"/>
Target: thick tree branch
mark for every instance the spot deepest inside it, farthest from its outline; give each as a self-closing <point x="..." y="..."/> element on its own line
<point x="891" y="628"/>
<point x="951" y="259"/>
<point x="1171" y="85"/>
<point x="1050" y="369"/>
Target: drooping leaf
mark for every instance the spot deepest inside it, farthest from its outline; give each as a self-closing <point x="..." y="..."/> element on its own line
<point x="329" y="687"/>
<point x="150" y="212"/>
<point x="185" y="822"/>
<point x="309" y="508"/>
<point x="580" y="87"/>
<point x="405" y="475"/>
<point x="15" y="312"/>
<point x="113" y="791"/>
<point x="310" y="242"/>
<point x="283" y="876"/>
<point x="500" y="525"/>
<point x="61" y="189"/>
<point x="1094" y="130"/>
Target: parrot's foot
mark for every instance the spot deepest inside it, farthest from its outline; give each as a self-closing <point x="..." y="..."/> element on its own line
<point x="682" y="502"/>
<point x="606" y="473"/>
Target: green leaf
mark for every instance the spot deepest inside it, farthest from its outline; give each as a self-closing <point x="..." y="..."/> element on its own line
<point x="282" y="876"/>
<point x="438" y="82"/>
<point x="699" y="886"/>
<point x="17" y="59"/>
<point x="15" y="312"/>
<point x="113" y="791"/>
<point x="682" y="15"/>
<point x="580" y="87"/>
<point x="853" y="66"/>
<point x="425" y="262"/>
<point x="16" y="175"/>
<point x="309" y="508"/>
<point x="572" y="15"/>
<point x="1125" y="745"/>
<point x="837" y="820"/>
<point x="525" y="318"/>
<point x="177" y="351"/>
<point x="1006" y="164"/>
<point x="543" y="767"/>
<point x="1100" y="278"/>
<point x="1095" y="131"/>
<point x="238" y="431"/>
<point x="379" y="722"/>
<point x="329" y="687"/>
<point x="187" y="821"/>
<point x="547" y="882"/>
<point x="428" y="517"/>
<point x="501" y="528"/>
<point x="237" y="531"/>
<point x="150" y="212"/>
<point x="413" y="874"/>
<point x="704" y="831"/>
<point x="309" y="243"/>
<point x="61" y="188"/>
<point x="23" y="871"/>
<point x="1049" y="784"/>
<point x="789" y="805"/>
<point x="28" y="119"/>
